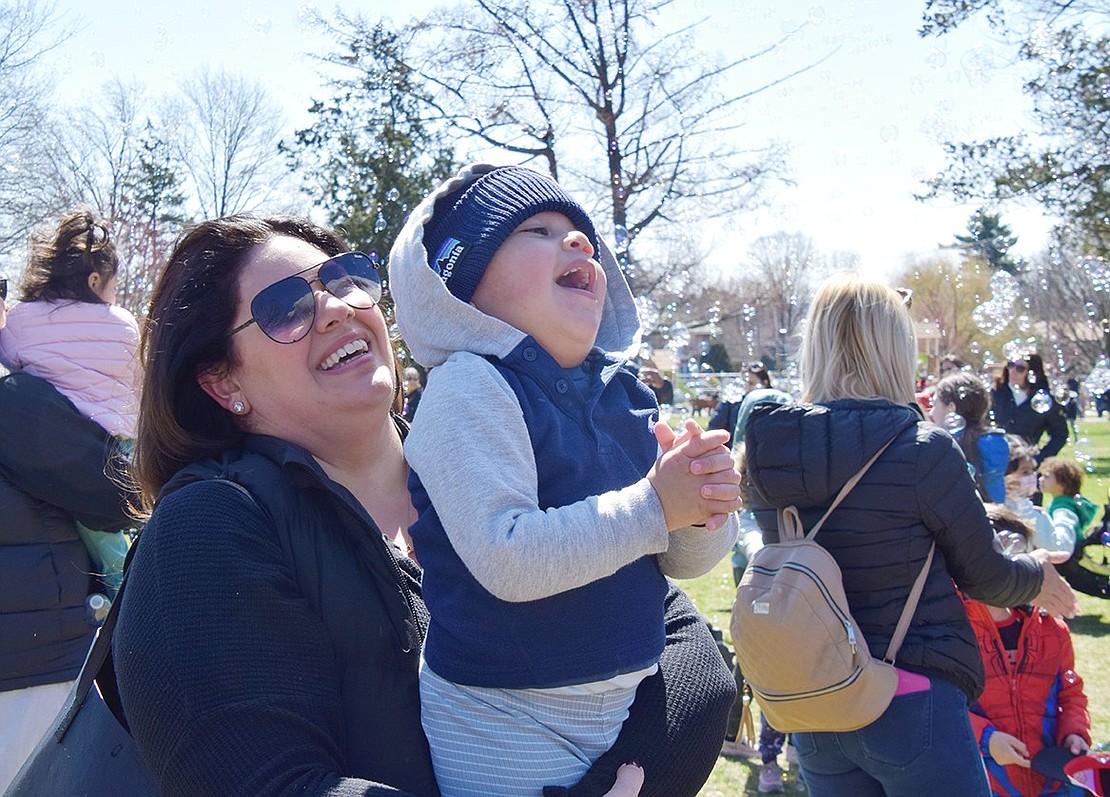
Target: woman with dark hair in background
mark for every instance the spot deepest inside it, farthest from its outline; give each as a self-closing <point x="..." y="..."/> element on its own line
<point x="269" y="637"/>
<point x="1022" y="404"/>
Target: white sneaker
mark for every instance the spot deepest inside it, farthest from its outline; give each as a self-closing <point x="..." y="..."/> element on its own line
<point x="770" y="778"/>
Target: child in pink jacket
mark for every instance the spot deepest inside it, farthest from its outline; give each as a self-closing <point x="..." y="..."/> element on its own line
<point x="68" y="330"/>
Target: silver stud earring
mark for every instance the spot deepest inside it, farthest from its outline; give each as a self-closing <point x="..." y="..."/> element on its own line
<point x="238" y="407"/>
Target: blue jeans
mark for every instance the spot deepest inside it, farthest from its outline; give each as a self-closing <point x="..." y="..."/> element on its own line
<point x="921" y="746"/>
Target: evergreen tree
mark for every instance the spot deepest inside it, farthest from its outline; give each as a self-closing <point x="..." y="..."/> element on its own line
<point x="717" y="358"/>
<point x="369" y="156"/>
<point x="989" y="239"/>
<point x="155" y="202"/>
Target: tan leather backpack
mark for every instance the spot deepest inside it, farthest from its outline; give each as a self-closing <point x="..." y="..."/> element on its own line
<point x="796" y="641"/>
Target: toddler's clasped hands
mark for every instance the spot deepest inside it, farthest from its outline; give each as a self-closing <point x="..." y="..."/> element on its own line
<point x="695" y="477"/>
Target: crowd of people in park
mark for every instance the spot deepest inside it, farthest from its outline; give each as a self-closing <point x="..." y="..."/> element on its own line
<point x="320" y="570"/>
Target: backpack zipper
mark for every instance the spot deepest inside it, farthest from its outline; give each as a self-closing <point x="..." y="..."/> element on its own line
<point x="851" y="679"/>
<point x="845" y="620"/>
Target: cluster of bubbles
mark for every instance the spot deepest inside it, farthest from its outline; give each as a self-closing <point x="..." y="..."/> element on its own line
<point x="1098" y="272"/>
<point x="995" y="314"/>
<point x="713" y="320"/>
<point x="1098" y="379"/>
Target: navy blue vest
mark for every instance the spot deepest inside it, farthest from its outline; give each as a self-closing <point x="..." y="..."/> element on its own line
<point x="584" y="445"/>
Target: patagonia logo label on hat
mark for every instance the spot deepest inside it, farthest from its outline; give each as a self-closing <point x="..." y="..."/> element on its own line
<point x="448" y="256"/>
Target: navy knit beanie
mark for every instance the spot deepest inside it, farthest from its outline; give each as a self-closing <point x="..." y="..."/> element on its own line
<point x="466" y="229"/>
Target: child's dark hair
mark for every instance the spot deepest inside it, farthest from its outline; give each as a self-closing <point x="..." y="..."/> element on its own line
<point x="1067" y="473"/>
<point x="967" y="393"/>
<point x="62" y="260"/>
<point x="1020" y="451"/>
<point x="1005" y="519"/>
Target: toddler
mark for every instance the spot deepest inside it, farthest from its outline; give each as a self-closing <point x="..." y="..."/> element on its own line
<point x="1032" y="711"/>
<point x="67" y="328"/>
<point x="547" y="516"/>
<point x="1070" y="512"/>
<point x="1021" y="484"/>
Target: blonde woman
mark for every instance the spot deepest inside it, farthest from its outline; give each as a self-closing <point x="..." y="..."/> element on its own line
<point x="857" y="367"/>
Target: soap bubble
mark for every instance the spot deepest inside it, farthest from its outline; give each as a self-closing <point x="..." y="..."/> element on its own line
<point x="732" y="391"/>
<point x="648" y="312"/>
<point x="620" y="238"/>
<point x="954" y="423"/>
<point x="990" y="317"/>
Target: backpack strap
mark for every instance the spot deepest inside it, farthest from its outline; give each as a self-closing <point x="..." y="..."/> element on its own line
<point x="790" y="524"/>
<point x="790" y="528"/>
<point x="908" y="610"/>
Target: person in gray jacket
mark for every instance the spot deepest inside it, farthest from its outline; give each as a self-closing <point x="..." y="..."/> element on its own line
<point x="544" y="556"/>
<point x="857" y="364"/>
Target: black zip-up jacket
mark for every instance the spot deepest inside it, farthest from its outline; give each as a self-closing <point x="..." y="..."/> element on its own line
<point x="269" y="643"/>
<point x="917" y="492"/>
<point x="1030" y="424"/>
<point x="52" y="471"/>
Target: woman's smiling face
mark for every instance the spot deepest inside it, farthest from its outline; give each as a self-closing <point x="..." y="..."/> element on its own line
<point x="292" y="390"/>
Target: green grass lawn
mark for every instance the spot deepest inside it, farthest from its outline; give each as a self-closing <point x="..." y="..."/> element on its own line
<point x="713" y="595"/>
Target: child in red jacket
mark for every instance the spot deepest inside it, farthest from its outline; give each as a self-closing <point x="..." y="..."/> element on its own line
<point x="1032" y="715"/>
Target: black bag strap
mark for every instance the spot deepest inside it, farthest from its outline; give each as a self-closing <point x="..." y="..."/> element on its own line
<point x="99" y="655"/>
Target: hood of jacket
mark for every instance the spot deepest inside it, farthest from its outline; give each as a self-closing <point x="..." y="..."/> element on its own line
<point x="435" y="324"/>
<point x="802" y="454"/>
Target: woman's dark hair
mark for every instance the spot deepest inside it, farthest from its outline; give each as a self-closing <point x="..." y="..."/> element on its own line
<point x="62" y="260"/>
<point x="759" y="371"/>
<point x="957" y="362"/>
<point x="1035" y="378"/>
<point x="972" y="401"/>
<point x="186" y="333"/>
<point x="1020" y="450"/>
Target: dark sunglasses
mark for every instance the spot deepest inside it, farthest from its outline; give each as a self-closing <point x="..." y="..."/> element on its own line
<point x="286" y="310"/>
<point x="3" y="287"/>
<point x="1019" y="367"/>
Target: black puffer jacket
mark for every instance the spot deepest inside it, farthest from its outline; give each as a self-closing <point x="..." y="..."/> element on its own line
<point x="918" y="491"/>
<point x="52" y="470"/>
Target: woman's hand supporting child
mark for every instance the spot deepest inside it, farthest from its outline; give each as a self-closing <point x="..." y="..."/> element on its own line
<point x="695" y="477"/>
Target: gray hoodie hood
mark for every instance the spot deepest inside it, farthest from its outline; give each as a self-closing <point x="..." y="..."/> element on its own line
<point x="435" y="324"/>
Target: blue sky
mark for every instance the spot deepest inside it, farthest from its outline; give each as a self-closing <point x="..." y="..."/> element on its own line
<point x="864" y="127"/>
